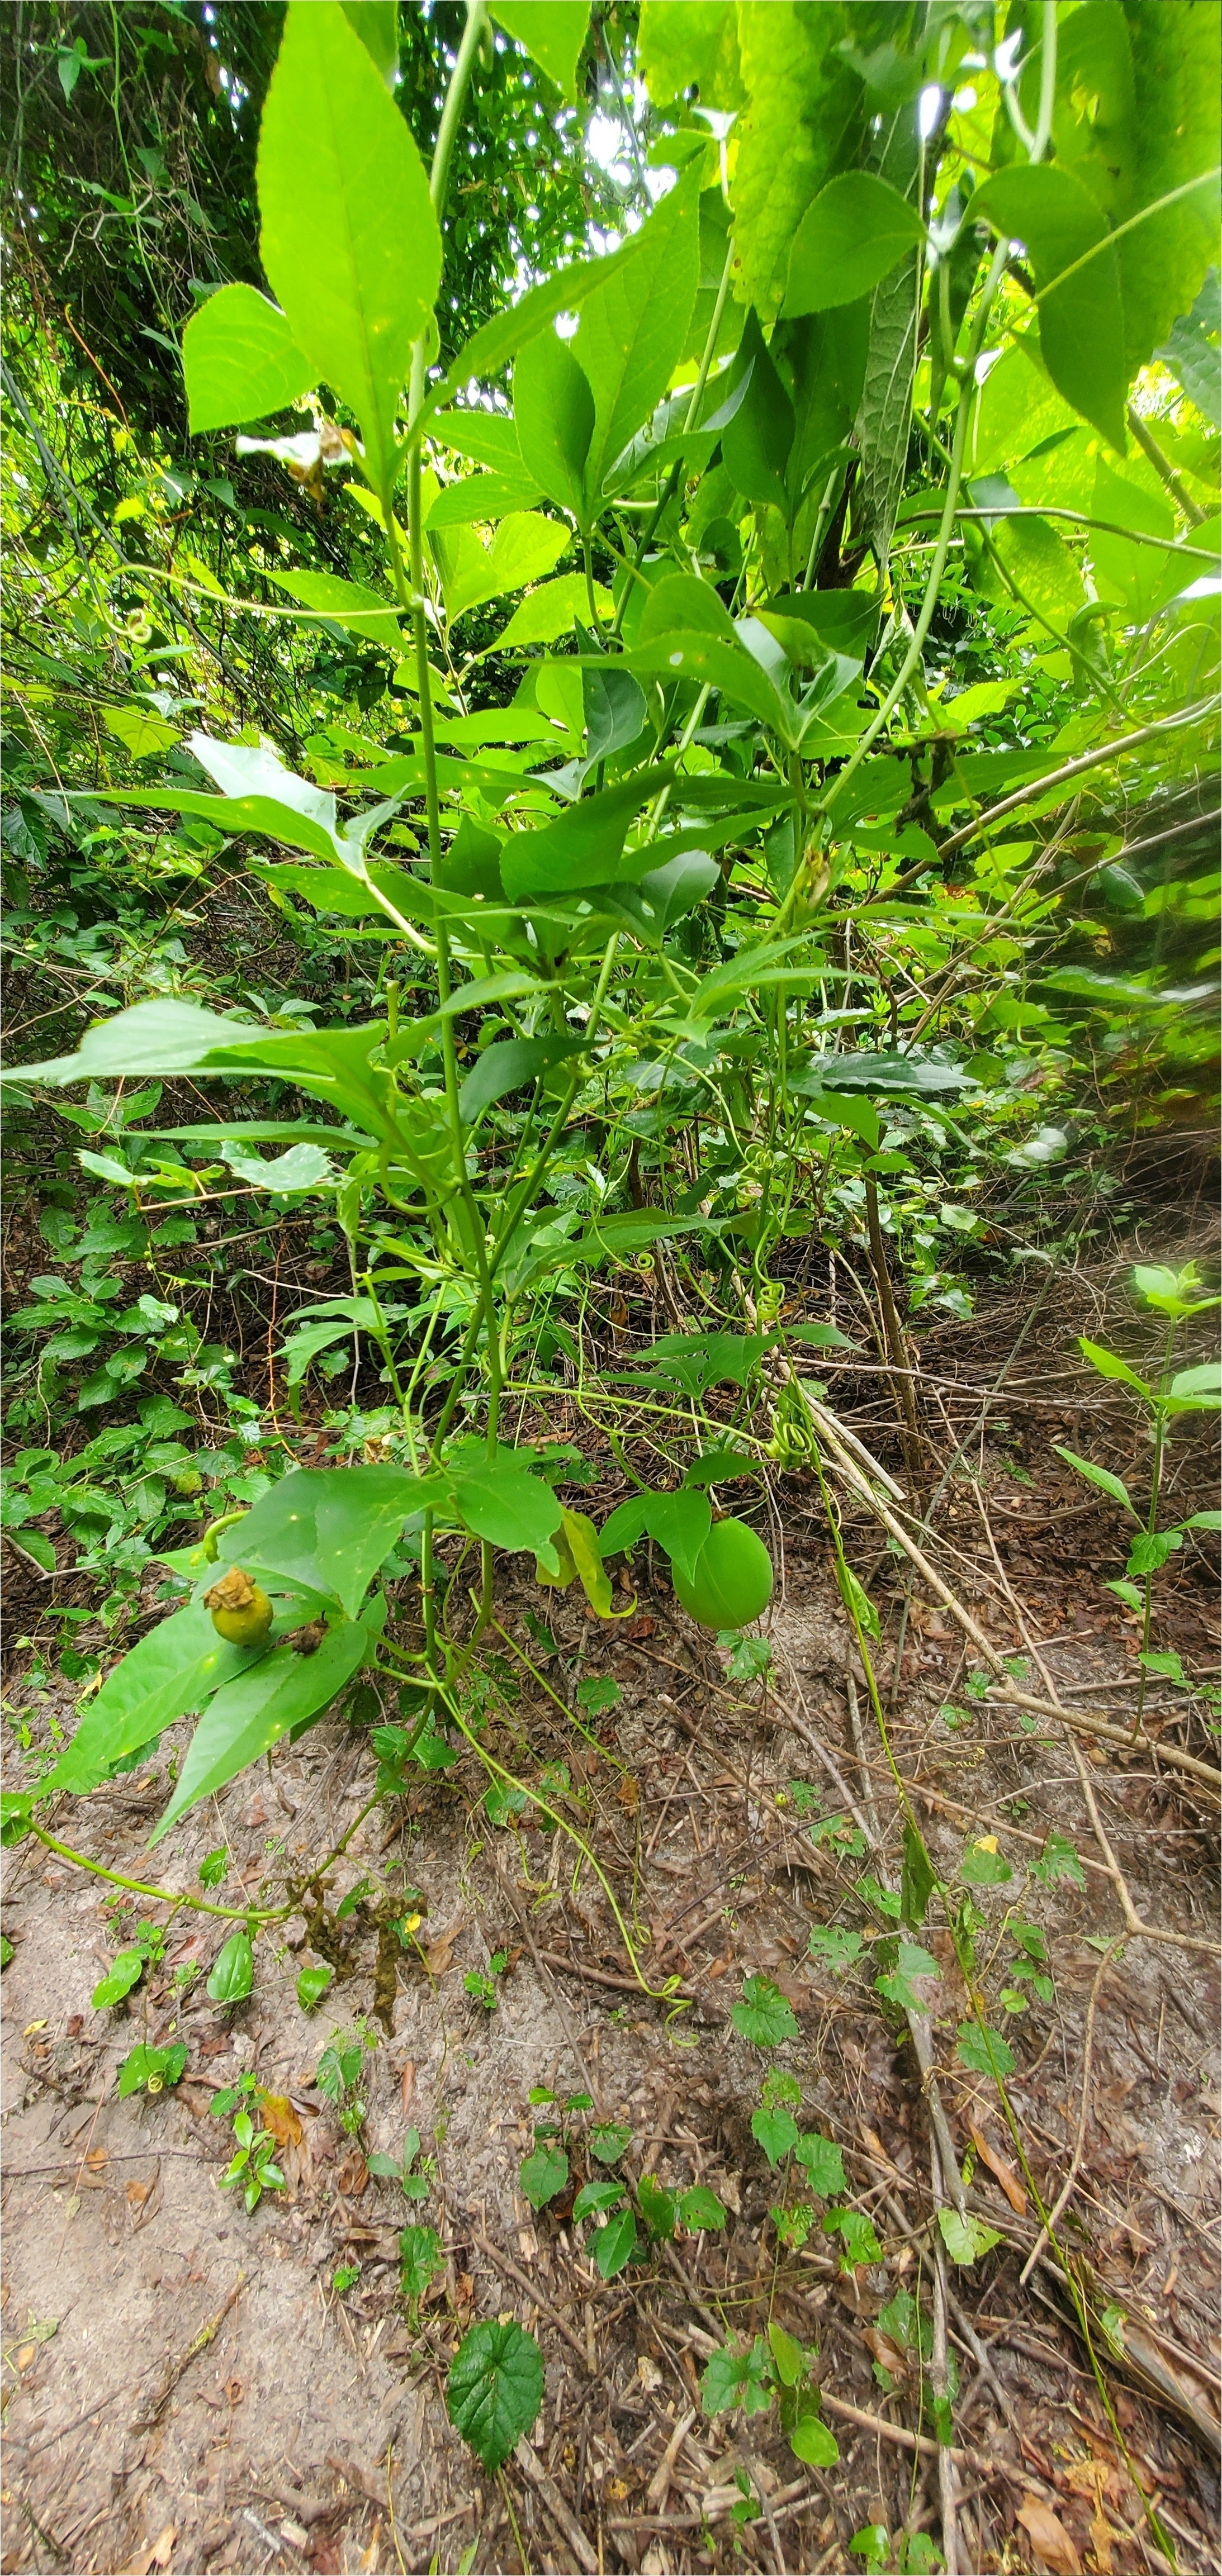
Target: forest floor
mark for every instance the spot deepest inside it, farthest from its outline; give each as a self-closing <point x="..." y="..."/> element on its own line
<point x="185" y="2388"/>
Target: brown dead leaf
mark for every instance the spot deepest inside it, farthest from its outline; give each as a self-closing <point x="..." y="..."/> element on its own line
<point x="163" y="2545"/>
<point x="352" y="2174"/>
<point x="1048" y="2537"/>
<point x="97" y="2157"/>
<point x="408" y="2084"/>
<point x="438" y="1953"/>
<point x="1000" y="2170"/>
<point x="628" y="1795"/>
<point x="887" y="2354"/>
<point x="138" y="2192"/>
<point x="277" y="2114"/>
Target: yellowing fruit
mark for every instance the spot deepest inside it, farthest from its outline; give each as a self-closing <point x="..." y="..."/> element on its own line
<point x="732" y="1583"/>
<point x="241" y="1611"/>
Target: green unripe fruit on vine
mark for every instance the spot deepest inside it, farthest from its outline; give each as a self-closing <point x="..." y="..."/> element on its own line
<point x="241" y="1611"/>
<point x="732" y="1583"/>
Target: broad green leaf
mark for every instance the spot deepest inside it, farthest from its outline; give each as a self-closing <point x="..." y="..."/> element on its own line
<point x="657" y="2207"/>
<point x="1143" y="577"/>
<point x="1109" y="1364"/>
<point x="326" y="1528"/>
<point x="139" y="730"/>
<point x="1196" y="1390"/>
<point x="984" y="2051"/>
<point x="982" y="1866"/>
<point x="376" y="22"/>
<point x="707" y="658"/>
<point x="508" y="1507"/>
<point x="822" y="2163"/>
<point x="1081" y="322"/>
<point x="788" y="2356"/>
<point x="776" y="2132"/>
<point x="624" y="1526"/>
<point x="834" y="1947"/>
<point x="1017" y="409"/>
<point x="250" y="1714"/>
<point x="680" y="1522"/>
<point x="763" y="2016"/>
<point x="690" y="44"/>
<point x="501" y="1068"/>
<point x="699" y="2207"/>
<point x="583" y="847"/>
<point x="1100" y="1476"/>
<point x="965" y="2237"/>
<point x="812" y="2441"/>
<point x="1165" y="259"/>
<point x="149" y="2070"/>
<point x="633" y="328"/>
<point x="553" y="411"/>
<point x="732" y="2378"/>
<point x="801" y="99"/>
<point x="861" y="2245"/>
<point x="312" y="1985"/>
<point x="525" y="547"/>
<point x="614" y="707"/>
<point x="419" y="2260"/>
<point x="581" y="1538"/>
<point x="918" y="1879"/>
<point x="482" y="498"/>
<point x="884" y="415"/>
<point x="230" y="1981"/>
<point x="549" y="612"/>
<point x="1192" y="357"/>
<point x="553" y="31"/>
<point x="240" y="361"/>
<point x="856" y="229"/>
<point x="171" y="1671"/>
<point x="499" y="340"/>
<point x="344" y="603"/>
<point x="304" y="1167"/>
<point x="124" y="1972"/>
<point x="681" y="604"/>
<point x="494" y="2389"/>
<point x="756" y="444"/>
<point x="352" y="250"/>
<point x="615" y="2244"/>
<point x="544" y="2174"/>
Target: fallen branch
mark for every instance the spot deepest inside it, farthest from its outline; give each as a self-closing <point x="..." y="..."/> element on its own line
<point x="170" y="2377"/>
<point x="555" y="2507"/>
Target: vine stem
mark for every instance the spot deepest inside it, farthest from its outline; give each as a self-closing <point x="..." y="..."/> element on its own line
<point x="162" y="1895"/>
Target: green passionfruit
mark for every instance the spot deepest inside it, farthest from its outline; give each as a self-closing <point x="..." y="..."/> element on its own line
<point x="241" y="1611"/>
<point x="732" y="1583"/>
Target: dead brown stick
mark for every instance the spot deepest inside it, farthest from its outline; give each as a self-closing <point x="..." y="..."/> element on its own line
<point x="984" y="1645"/>
<point x="555" y="2507"/>
<point x="1075" y="2162"/>
<point x="505" y="2263"/>
<point x="907" y="2441"/>
<point x="173" y="2373"/>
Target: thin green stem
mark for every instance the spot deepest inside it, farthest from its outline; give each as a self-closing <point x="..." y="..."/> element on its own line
<point x="161" y="1895"/>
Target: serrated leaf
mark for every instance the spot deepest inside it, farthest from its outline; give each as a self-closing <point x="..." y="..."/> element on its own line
<point x="965" y="2237"/>
<point x="776" y="2132"/>
<point x="763" y="2016"/>
<point x="822" y="2163"/>
<point x="543" y="2175"/>
<point x="699" y="2208"/>
<point x="494" y="2389"/>
<point x="984" y="2051"/>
